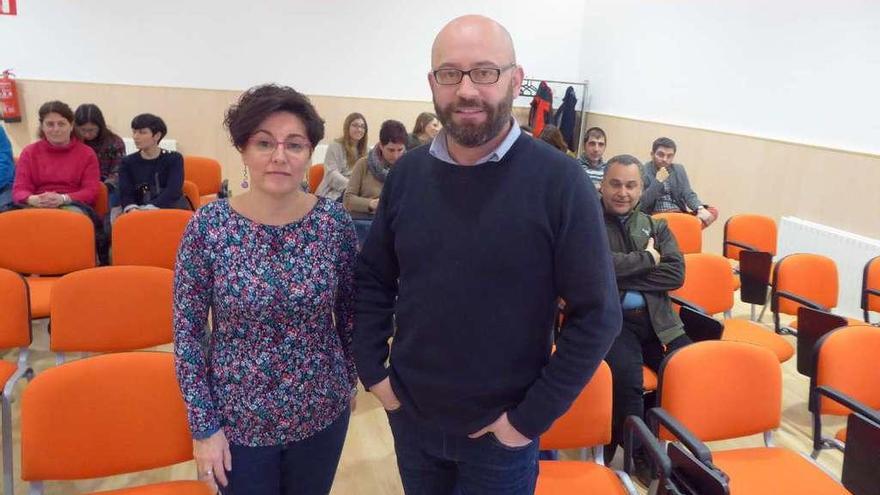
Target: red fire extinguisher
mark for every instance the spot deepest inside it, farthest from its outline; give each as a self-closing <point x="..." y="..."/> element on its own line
<point x="9" y="108"/>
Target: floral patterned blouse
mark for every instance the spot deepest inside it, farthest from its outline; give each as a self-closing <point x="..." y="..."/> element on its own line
<point x="277" y="366"/>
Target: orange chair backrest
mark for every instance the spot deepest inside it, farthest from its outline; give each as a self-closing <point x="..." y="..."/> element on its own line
<point x="872" y="281"/>
<point x="15" y="310"/>
<point x="687" y="229"/>
<point x="40" y="241"/>
<point x="812" y="276"/>
<point x="316" y="175"/>
<point x="587" y="422"/>
<point x="204" y="172"/>
<point x="112" y="308"/>
<point x="102" y="202"/>
<point x="721" y="389"/>
<point x="103" y="416"/>
<point x="149" y="238"/>
<point x="191" y="191"/>
<point x="707" y="282"/>
<point x="848" y="362"/>
<point x="755" y="230"/>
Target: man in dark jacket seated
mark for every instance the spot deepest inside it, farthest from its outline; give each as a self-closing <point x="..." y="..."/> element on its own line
<point x="648" y="265"/>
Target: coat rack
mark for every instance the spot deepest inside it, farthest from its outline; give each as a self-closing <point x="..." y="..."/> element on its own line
<point x="529" y="88"/>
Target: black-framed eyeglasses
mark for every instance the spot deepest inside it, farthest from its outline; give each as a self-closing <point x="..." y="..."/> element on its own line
<point x="478" y="75"/>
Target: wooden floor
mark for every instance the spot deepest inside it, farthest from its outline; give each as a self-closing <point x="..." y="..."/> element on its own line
<point x="368" y="463"/>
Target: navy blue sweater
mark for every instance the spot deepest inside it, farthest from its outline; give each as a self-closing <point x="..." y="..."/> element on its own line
<point x="471" y="260"/>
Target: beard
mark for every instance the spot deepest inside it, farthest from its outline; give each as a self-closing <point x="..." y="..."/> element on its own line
<point x="473" y="135"/>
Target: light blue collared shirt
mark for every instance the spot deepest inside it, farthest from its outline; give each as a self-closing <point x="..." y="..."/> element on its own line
<point x="439" y="150"/>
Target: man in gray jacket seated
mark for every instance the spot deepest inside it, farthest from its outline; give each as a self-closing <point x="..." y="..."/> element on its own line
<point x="667" y="187"/>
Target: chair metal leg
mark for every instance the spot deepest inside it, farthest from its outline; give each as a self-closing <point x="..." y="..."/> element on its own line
<point x="6" y="420"/>
<point x="752" y="312"/>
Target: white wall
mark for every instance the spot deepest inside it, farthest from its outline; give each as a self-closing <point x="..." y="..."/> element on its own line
<point x="333" y="47"/>
<point x="806" y="71"/>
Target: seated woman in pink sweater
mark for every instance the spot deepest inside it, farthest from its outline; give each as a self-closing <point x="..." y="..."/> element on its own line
<point x="59" y="169"/>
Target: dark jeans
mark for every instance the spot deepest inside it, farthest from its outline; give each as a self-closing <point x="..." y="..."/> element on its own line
<point x="432" y="462"/>
<point x="362" y="228"/>
<point x="306" y="467"/>
<point x="637" y="344"/>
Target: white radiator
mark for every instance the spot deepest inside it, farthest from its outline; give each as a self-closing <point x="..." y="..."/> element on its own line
<point x="850" y="252"/>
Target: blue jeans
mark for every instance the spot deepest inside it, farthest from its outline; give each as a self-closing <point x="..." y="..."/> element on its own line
<point x="306" y="467"/>
<point x="5" y="196"/>
<point x="362" y="228"/>
<point x="432" y="462"/>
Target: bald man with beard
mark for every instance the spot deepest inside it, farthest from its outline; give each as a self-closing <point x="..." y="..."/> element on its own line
<point x="475" y="239"/>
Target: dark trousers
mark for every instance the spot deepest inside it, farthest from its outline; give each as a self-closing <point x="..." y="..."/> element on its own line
<point x="432" y="462"/>
<point x="636" y="344"/>
<point x="306" y="467"/>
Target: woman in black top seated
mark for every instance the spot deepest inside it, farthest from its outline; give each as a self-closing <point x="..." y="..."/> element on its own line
<point x="151" y="178"/>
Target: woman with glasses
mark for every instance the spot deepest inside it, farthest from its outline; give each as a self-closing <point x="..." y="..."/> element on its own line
<point x="341" y="155"/>
<point x="91" y="128"/>
<point x="270" y="389"/>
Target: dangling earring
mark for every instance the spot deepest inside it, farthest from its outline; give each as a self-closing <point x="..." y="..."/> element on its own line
<point x="244" y="178"/>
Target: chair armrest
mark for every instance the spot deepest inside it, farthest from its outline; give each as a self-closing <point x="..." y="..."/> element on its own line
<point x="846" y="401"/>
<point x="635" y="428"/>
<point x="658" y="416"/>
<point x="684" y="302"/>
<point x="742" y="245"/>
<point x="873" y="292"/>
<point x="801" y="300"/>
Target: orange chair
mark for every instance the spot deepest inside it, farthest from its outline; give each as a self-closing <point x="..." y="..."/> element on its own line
<point x="45" y="243"/>
<point x="871" y="288"/>
<point x="707" y="285"/>
<point x="846" y="373"/>
<point x="695" y="409"/>
<point x="149" y="238"/>
<point x="103" y="416"/>
<point x="112" y="309"/>
<point x="102" y="202"/>
<point x="802" y="279"/>
<point x="207" y="174"/>
<point x="749" y="232"/>
<point x="191" y="191"/>
<point x="15" y="331"/>
<point x="687" y="229"/>
<point x="316" y="175"/>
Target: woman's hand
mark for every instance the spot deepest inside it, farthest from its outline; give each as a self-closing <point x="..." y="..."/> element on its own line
<point x="374" y="203"/>
<point x="213" y="458"/>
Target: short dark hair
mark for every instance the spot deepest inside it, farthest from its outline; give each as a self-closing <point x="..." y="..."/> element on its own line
<point x="626" y="161"/>
<point x="54" y="106"/>
<point x="392" y="131"/>
<point x="152" y="122"/>
<point x="663" y="142"/>
<point x="259" y="102"/>
<point x="89" y="113"/>
<point x="595" y="132"/>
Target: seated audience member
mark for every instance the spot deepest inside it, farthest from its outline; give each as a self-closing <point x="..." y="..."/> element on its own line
<point x="591" y="159"/>
<point x="553" y="136"/>
<point x="58" y="171"/>
<point x="667" y="187"/>
<point x="7" y="170"/>
<point x="362" y="196"/>
<point x="427" y="126"/>
<point x="151" y="178"/>
<point x="93" y="131"/>
<point x="341" y="155"/>
<point x="648" y="265"/>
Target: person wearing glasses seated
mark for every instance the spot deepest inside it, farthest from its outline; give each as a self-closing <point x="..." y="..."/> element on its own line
<point x="270" y="389"/>
<point x="341" y="156"/>
<point x="109" y="148"/>
<point x="426" y="127"/>
<point x="667" y="187"/>
<point x="151" y="178"/>
<point x="362" y="195"/>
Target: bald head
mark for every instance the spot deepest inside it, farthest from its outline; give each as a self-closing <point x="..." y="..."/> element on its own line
<point x="473" y="34"/>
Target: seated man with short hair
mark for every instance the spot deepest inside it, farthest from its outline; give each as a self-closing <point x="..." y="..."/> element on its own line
<point x="667" y="187"/>
<point x="591" y="159"/>
<point x="648" y="265"/>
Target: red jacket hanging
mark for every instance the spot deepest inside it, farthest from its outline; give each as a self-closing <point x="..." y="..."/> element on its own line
<point x="541" y="113"/>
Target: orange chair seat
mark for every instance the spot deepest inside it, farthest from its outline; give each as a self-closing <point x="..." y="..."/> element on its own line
<point x="40" y="288"/>
<point x="771" y="471"/>
<point x="841" y="435"/>
<point x="751" y="333"/>
<point x="849" y="321"/>
<point x="562" y="477"/>
<point x="649" y="379"/>
<point x="7" y="369"/>
<point x="170" y="488"/>
<point x="207" y="199"/>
